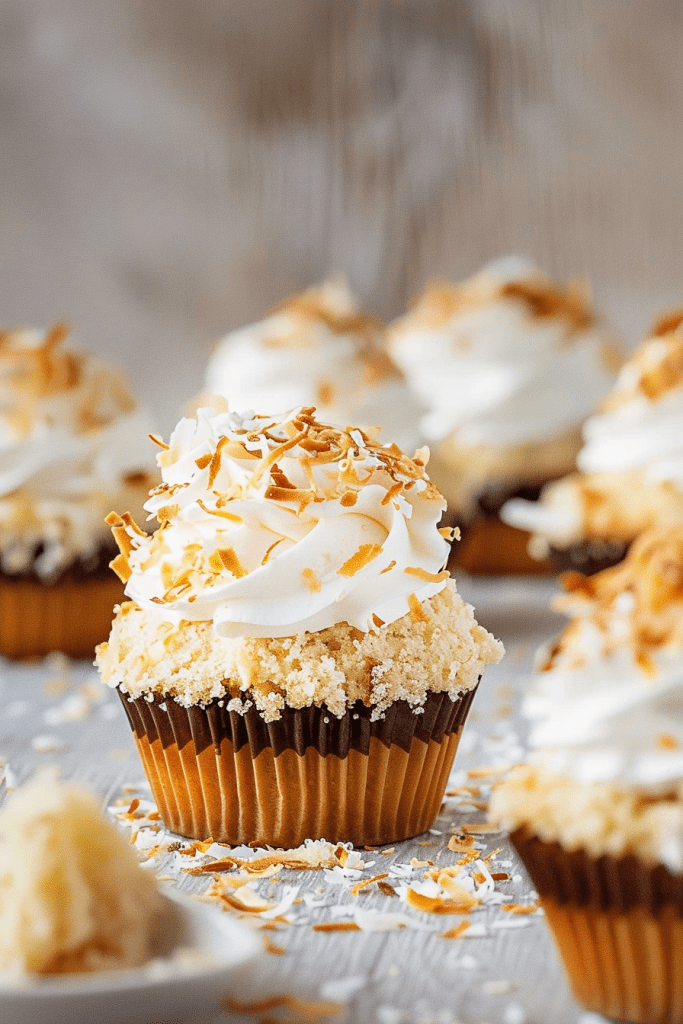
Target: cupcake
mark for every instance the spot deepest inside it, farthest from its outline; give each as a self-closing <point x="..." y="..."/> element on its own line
<point x="295" y="661"/>
<point x="597" y="814"/>
<point x="508" y="364"/>
<point x="318" y="348"/>
<point x="70" y="446"/>
<point x="630" y="469"/>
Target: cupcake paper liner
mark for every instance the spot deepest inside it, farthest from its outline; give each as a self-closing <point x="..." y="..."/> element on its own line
<point x="618" y="925"/>
<point x="491" y="547"/>
<point x="234" y="777"/>
<point x="72" y="615"/>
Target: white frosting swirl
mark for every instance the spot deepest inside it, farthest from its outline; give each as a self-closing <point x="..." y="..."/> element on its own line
<point x="643" y="431"/>
<point x="317" y="348"/>
<point x="505" y="358"/>
<point x="608" y="707"/>
<point x="273" y="526"/>
<point x="70" y="447"/>
<point x="608" y="721"/>
<point x="639" y="432"/>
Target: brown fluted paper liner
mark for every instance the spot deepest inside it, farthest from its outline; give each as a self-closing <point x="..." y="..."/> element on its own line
<point x="72" y="615"/>
<point x="618" y="925"/>
<point x="308" y="775"/>
<point x="491" y="547"/>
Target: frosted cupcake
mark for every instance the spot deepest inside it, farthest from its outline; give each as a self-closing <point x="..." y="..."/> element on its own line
<point x="630" y="475"/>
<point x="294" y="660"/>
<point x="318" y="348"/>
<point x="71" y="445"/>
<point x="508" y="364"/>
<point x="597" y="814"/>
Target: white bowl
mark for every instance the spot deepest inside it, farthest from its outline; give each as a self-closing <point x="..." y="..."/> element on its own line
<point x="205" y="955"/>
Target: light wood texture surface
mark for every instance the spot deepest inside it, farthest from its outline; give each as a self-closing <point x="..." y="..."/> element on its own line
<point x="404" y="977"/>
<point x="171" y="170"/>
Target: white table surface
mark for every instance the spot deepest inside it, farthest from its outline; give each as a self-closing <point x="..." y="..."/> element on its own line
<point x="509" y="975"/>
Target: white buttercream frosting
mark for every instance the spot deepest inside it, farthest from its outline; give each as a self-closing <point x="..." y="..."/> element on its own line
<point x="607" y="705"/>
<point x="280" y="525"/>
<point x="317" y="348"/>
<point x="632" y="447"/>
<point x="642" y="424"/>
<point x="71" y="445"/>
<point x="504" y="358"/>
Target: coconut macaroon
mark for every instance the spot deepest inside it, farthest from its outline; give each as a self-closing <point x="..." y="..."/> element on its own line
<point x="318" y="347"/>
<point x="630" y="475"/>
<point x="508" y="364"/>
<point x="292" y="629"/>
<point x="597" y="814"/>
<point x="72" y="894"/>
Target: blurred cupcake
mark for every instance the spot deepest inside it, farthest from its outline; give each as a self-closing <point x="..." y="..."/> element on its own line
<point x="630" y="475"/>
<point x="295" y="661"/>
<point x="318" y="348"/>
<point x="71" y="444"/>
<point x="597" y="815"/>
<point x="508" y="364"/>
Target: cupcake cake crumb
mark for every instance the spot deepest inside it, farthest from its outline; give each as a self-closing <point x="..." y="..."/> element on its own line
<point x="445" y="651"/>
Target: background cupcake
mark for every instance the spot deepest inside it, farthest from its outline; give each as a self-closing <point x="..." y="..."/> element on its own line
<point x="630" y="475"/>
<point x="295" y="661"/>
<point x="318" y="348"/>
<point x="72" y="443"/>
<point x="508" y="364"/>
<point x="597" y="815"/>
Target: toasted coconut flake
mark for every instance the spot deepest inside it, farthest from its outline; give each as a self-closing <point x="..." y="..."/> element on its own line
<point x="121" y="567"/>
<point x="427" y="577"/>
<point x="416" y="611"/>
<point x="365" y="554"/>
<point x="312" y="580"/>
<point x="455" y="890"/>
<point x="460" y="844"/>
<point x="386" y="888"/>
<point x="272" y="947"/>
<point x="368" y="881"/>
<point x="312" y="856"/>
<point x="483" y="773"/>
<point x="480" y="828"/>
<point x="436" y="905"/>
<point x="307" y="1010"/>
<point x="215" y="464"/>
<point x="258" y="906"/>
<point x="388" y="567"/>
<point x="393" y="491"/>
<point x="203" y="461"/>
<point x="455" y="933"/>
<point x="289" y="494"/>
<point x="348" y="499"/>
<point x="230" y="516"/>
<point x="336" y="926"/>
<point x="231" y="562"/>
<point x="158" y="440"/>
<point x="167" y="512"/>
<point x="666" y="741"/>
<point x="521" y="908"/>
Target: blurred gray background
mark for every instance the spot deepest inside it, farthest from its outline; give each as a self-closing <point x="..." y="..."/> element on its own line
<point x="169" y="170"/>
